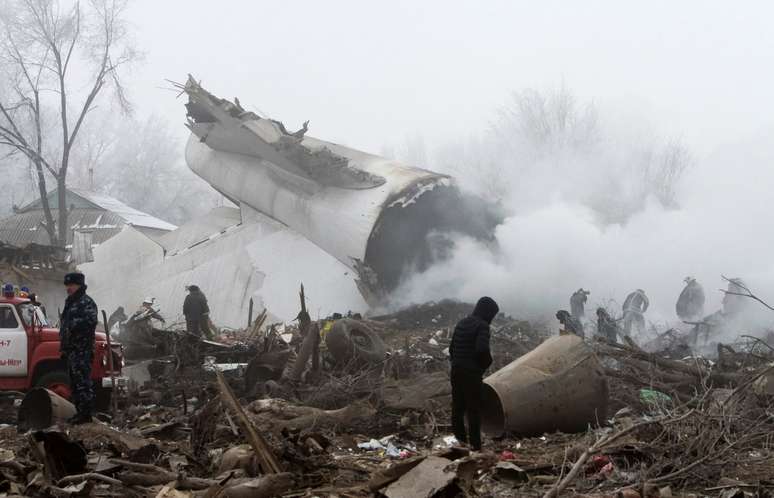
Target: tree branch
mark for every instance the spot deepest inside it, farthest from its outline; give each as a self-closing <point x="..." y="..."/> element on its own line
<point x="747" y="292"/>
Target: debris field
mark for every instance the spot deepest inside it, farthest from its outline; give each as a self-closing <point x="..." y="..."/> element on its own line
<point x="357" y="406"/>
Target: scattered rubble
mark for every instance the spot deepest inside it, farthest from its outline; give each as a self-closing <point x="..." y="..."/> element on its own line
<point x="311" y="422"/>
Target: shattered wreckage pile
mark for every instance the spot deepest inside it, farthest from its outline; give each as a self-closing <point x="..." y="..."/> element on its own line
<point x="359" y="407"/>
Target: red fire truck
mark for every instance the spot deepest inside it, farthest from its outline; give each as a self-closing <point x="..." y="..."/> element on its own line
<point x="30" y="357"/>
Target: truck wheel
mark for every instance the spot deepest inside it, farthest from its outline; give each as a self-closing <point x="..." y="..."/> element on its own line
<point x="351" y="339"/>
<point x="102" y="398"/>
<point x="57" y="381"/>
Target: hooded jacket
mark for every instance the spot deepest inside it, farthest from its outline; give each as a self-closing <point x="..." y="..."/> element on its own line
<point x="469" y="348"/>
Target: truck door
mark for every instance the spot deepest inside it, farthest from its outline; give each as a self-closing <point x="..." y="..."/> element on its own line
<point x="13" y="343"/>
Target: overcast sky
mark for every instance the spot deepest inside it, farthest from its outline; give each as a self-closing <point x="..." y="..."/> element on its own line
<point x="368" y="73"/>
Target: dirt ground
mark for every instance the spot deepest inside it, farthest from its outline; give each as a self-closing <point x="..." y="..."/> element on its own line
<point x="674" y="426"/>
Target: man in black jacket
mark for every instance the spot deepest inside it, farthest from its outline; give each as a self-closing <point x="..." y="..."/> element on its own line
<point x="197" y="312"/>
<point x="76" y="344"/>
<point x="470" y="357"/>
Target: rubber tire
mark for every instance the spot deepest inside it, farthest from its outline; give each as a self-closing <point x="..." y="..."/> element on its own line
<point x="351" y="339"/>
<point x="53" y="377"/>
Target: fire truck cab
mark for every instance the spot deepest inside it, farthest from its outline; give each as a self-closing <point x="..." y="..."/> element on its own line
<point x="30" y="356"/>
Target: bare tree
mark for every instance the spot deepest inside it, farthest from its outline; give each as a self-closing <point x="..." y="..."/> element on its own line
<point x="661" y="177"/>
<point x="546" y="122"/>
<point x="42" y="43"/>
<point x="555" y="143"/>
<point x="140" y="163"/>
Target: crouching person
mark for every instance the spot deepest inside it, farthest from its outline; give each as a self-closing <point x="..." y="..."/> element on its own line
<point x="470" y="357"/>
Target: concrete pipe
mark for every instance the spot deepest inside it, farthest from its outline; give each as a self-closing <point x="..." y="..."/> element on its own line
<point x="42" y="408"/>
<point x="558" y="386"/>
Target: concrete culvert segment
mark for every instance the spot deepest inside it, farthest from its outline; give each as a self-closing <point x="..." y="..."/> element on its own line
<point x="558" y="386"/>
<point x="42" y="408"/>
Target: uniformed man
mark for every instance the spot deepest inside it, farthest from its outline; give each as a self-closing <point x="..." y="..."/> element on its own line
<point x="76" y="335"/>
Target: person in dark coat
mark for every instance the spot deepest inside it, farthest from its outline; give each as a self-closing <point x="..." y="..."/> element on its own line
<point x="470" y="357"/>
<point x="578" y="303"/>
<point x="606" y="326"/>
<point x="690" y="304"/>
<point x="76" y="338"/>
<point x="571" y="324"/>
<point x="197" y="312"/>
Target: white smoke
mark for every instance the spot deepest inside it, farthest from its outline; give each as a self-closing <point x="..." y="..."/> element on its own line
<point x="545" y="251"/>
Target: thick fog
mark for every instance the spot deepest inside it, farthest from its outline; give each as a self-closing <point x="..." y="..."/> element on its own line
<point x="626" y="145"/>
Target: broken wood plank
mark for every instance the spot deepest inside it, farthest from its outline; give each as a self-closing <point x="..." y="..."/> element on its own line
<point x="311" y="334"/>
<point x="263" y="487"/>
<point x="393" y="473"/>
<point x="262" y="450"/>
<point x="77" y="478"/>
<point x="181" y="482"/>
<point x="423" y="481"/>
<point x="125" y="442"/>
<point x="37" y="454"/>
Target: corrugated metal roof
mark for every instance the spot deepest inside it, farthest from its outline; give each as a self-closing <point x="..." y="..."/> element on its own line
<point x="26" y="228"/>
<point x="86" y="200"/>
<point x="132" y="216"/>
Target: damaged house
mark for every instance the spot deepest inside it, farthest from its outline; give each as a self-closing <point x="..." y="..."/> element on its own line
<point x="26" y="256"/>
<point x="346" y="223"/>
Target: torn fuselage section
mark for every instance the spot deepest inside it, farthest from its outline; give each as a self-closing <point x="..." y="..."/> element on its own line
<point x="228" y="127"/>
<point x="417" y="228"/>
<point x="380" y="217"/>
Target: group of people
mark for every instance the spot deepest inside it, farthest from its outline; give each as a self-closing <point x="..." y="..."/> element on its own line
<point x="195" y="310"/>
<point x="469" y="351"/>
<point x="689" y="308"/>
<point x="470" y="355"/>
<point x="634" y="308"/>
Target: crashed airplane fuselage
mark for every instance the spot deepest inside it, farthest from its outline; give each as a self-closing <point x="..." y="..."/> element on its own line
<point x="371" y="213"/>
<point x="348" y="224"/>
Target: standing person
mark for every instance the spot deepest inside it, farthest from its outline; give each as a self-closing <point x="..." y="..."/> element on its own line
<point x="470" y="357"/>
<point x="76" y="336"/>
<point x="733" y="303"/>
<point x="571" y="324"/>
<point x="606" y="326"/>
<point x="197" y="312"/>
<point x="634" y="308"/>
<point x="578" y="303"/>
<point x="690" y="304"/>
